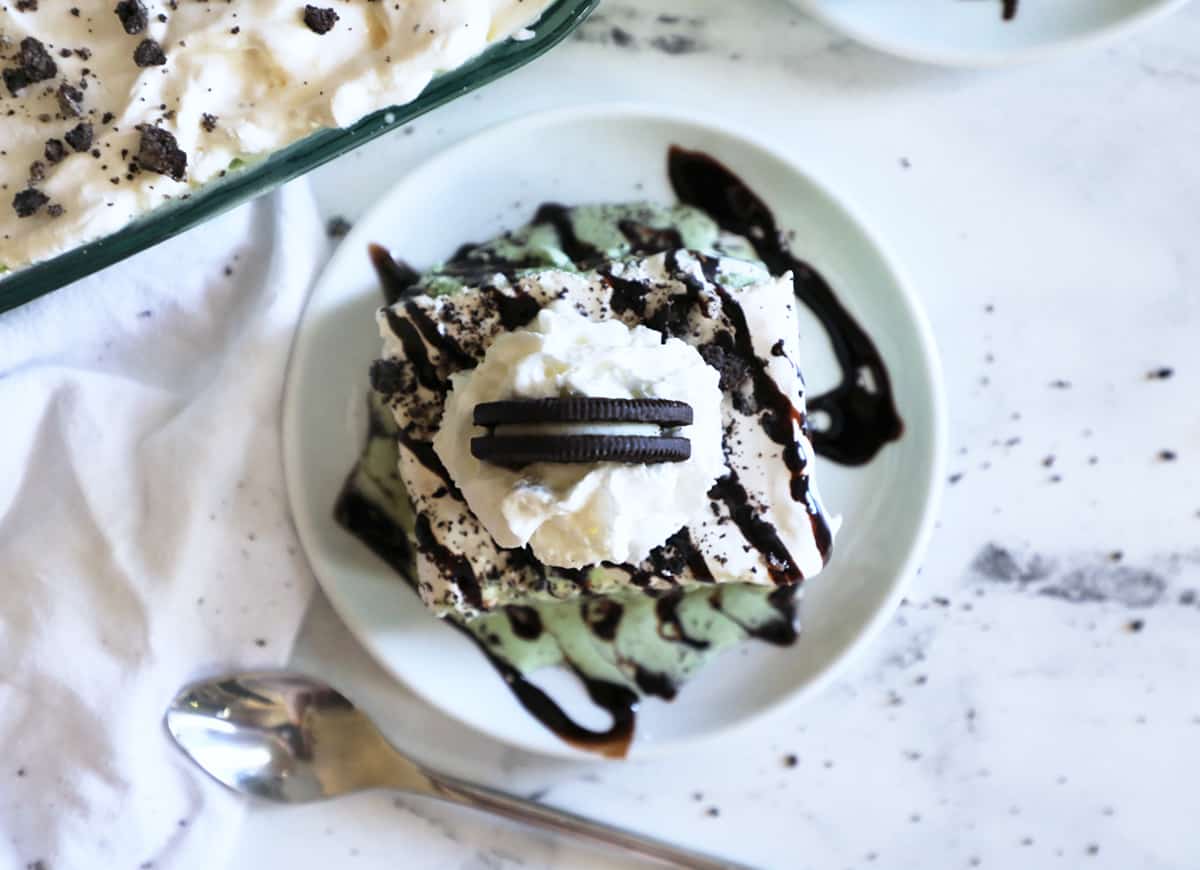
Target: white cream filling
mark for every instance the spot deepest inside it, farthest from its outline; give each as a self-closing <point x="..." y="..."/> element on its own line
<point x="649" y="430"/>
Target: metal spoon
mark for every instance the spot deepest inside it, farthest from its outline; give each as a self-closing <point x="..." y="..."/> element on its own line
<point x="293" y="739"/>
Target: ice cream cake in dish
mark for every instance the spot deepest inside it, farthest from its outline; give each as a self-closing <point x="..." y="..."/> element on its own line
<point x="589" y="447"/>
<point x="112" y="109"/>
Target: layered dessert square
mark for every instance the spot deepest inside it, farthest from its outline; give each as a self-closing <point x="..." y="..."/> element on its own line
<point x="717" y="333"/>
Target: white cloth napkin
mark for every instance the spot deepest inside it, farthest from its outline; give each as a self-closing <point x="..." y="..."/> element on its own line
<point x="145" y="539"/>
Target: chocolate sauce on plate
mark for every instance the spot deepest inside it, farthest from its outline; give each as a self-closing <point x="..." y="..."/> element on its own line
<point x="861" y="409"/>
<point x="396" y="277"/>
<point x="618" y="701"/>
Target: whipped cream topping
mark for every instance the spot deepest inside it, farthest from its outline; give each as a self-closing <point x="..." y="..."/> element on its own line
<point x="226" y="81"/>
<point x="573" y="515"/>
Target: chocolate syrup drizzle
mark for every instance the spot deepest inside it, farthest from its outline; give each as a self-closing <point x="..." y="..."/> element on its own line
<point x="414" y="351"/>
<point x="454" y="565"/>
<point x="779" y="632"/>
<point x="861" y="412"/>
<point x="445" y="344"/>
<point x="861" y="409"/>
<point x="618" y="701"/>
<point x="396" y="277"/>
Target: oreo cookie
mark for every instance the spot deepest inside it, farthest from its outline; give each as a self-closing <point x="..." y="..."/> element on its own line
<point x="517" y="451"/>
<point x="584" y="409"/>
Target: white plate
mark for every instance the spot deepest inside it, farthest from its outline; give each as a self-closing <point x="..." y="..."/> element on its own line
<point x="493" y="182"/>
<point x="972" y="33"/>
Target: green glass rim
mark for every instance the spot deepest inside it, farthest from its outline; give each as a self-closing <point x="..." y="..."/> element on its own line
<point x="260" y="176"/>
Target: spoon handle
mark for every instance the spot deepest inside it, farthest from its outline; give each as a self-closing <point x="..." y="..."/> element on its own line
<point x="559" y="821"/>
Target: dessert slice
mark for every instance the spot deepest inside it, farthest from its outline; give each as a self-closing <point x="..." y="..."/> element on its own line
<point x="716" y="333"/>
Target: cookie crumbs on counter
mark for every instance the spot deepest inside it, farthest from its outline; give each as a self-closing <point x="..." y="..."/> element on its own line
<point x="260" y="641"/>
<point x="318" y="20"/>
<point x="713" y="812"/>
<point x="790" y="760"/>
<point x="621" y="37"/>
<point x="208" y="122"/>
<point x="1167" y="455"/>
<point x="1160" y="374"/>
<point x="338" y="227"/>
<point x="1060" y="384"/>
<point x="1135" y="625"/>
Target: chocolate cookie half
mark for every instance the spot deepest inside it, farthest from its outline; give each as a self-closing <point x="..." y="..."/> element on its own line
<point x="517" y="451"/>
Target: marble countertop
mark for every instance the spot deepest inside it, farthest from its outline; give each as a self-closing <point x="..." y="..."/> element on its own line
<point x="1034" y="702"/>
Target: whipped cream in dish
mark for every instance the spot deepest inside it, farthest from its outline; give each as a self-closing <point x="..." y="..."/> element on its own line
<point x="575" y="515"/>
<point x="110" y="112"/>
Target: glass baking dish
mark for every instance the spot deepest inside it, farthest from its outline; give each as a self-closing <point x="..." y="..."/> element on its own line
<point x="269" y="172"/>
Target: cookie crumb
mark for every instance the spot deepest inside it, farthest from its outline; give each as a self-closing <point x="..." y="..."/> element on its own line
<point x="319" y="20"/>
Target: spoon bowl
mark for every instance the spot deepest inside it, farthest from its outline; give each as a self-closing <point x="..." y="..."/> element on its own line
<point x="285" y="738"/>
